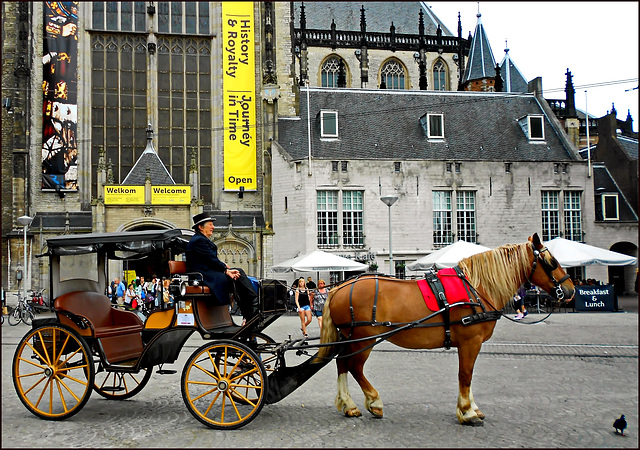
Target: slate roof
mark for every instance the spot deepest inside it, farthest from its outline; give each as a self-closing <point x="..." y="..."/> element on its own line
<point x="385" y="124"/>
<point x="481" y="63"/>
<point x="630" y="146"/>
<point x="150" y="160"/>
<point x="378" y="15"/>
<point x="514" y="81"/>
<point x="603" y="183"/>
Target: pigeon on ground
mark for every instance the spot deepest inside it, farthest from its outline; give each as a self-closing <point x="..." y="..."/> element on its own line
<point x="620" y="424"/>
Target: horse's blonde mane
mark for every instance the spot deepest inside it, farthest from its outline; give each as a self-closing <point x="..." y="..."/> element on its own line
<point x="498" y="272"/>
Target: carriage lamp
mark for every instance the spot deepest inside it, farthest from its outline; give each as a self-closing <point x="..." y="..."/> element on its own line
<point x="25" y="221"/>
<point x="389" y="200"/>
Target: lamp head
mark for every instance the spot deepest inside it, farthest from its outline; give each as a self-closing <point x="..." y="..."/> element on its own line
<point x="25" y="221"/>
<point x="389" y="199"/>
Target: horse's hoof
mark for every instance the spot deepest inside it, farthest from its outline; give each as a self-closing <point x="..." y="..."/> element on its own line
<point x="474" y="422"/>
<point x="355" y="412"/>
<point x="480" y="414"/>
<point x="377" y="412"/>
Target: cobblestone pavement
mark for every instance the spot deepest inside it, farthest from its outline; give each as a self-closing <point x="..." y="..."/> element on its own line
<point x="558" y="383"/>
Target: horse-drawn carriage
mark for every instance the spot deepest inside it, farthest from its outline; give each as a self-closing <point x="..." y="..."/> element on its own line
<point x="86" y="344"/>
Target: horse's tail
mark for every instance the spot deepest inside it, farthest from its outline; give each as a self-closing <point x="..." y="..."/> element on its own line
<point x="329" y="331"/>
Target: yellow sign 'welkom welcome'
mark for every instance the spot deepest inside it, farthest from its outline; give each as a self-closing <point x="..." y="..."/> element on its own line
<point x="160" y="195"/>
<point x="239" y="96"/>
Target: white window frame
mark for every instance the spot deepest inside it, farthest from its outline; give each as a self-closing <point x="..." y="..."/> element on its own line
<point x="353" y="218"/>
<point x="442" y="218"/>
<point x="572" y="212"/>
<point x="603" y="199"/>
<point x="550" y="207"/>
<point x="430" y="133"/>
<point x="327" y="218"/>
<point x="323" y="132"/>
<point x="466" y="226"/>
<point x="525" y="124"/>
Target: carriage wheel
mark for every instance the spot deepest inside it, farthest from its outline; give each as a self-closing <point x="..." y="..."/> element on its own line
<point x="52" y="372"/>
<point x="224" y="385"/>
<point x="119" y="385"/>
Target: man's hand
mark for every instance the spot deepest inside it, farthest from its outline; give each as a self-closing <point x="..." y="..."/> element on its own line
<point x="232" y="273"/>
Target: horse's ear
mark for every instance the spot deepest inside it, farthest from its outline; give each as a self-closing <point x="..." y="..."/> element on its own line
<point x="535" y="240"/>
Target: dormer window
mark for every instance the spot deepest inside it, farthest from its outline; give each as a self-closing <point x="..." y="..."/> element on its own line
<point x="533" y="127"/>
<point x="610" y="209"/>
<point x="433" y="125"/>
<point x="329" y="124"/>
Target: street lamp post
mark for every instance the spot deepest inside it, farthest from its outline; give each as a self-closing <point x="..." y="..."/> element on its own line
<point x="25" y="221"/>
<point x="390" y="200"/>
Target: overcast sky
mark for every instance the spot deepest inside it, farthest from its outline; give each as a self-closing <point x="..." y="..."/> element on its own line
<point x="596" y="41"/>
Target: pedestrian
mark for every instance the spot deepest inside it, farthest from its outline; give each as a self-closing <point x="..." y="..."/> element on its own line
<point x="202" y="256"/>
<point x="303" y="306"/>
<point x="319" y="300"/>
<point x="167" y="297"/>
<point x="130" y="296"/>
<point x="120" y="290"/>
<point x="310" y="284"/>
<point x="518" y="300"/>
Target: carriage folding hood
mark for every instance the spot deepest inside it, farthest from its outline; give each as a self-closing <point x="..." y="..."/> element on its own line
<point x="79" y="262"/>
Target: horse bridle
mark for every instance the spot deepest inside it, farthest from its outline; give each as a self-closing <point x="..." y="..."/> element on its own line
<point x="548" y="269"/>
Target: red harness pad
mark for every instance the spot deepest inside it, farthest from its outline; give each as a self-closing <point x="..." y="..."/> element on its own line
<point x="453" y="287"/>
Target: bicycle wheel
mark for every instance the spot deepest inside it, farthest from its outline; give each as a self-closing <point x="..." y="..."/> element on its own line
<point x="15" y="317"/>
<point x="52" y="372"/>
<point x="27" y="315"/>
<point x="216" y="376"/>
<point x="120" y="385"/>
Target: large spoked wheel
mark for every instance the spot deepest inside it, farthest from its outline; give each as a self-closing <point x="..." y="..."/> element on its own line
<point x="52" y="372"/>
<point x="120" y="385"/>
<point x="14" y="318"/>
<point x="224" y="385"/>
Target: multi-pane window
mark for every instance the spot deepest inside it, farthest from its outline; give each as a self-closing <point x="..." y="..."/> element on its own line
<point x="327" y="210"/>
<point x="572" y="216"/>
<point x="183" y="17"/>
<point x="184" y="108"/>
<point x="393" y="74"/>
<point x="466" y="215"/>
<point x="352" y="225"/>
<point x="118" y="101"/>
<point x="550" y="215"/>
<point x="332" y="71"/>
<point x="433" y="125"/>
<point x="439" y="76"/>
<point x="119" y="16"/>
<point x="442" y="218"/>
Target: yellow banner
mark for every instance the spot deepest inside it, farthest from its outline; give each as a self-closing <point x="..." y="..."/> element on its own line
<point x="124" y="195"/>
<point x="170" y="195"/>
<point x="239" y="92"/>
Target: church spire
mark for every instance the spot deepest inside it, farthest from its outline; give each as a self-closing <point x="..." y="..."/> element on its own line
<point x="481" y="63"/>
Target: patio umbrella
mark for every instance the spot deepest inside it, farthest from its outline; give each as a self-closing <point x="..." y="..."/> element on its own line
<point x="319" y="261"/>
<point x="573" y="254"/>
<point x="448" y="256"/>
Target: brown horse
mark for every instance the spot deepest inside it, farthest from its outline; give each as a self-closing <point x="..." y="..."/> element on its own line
<point x="495" y="274"/>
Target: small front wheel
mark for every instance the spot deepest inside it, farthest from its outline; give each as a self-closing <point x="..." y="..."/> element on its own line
<point x="224" y="385"/>
<point x="53" y="372"/>
<point x="15" y="317"/>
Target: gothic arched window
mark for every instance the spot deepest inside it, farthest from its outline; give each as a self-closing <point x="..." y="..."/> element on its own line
<point x="439" y="76"/>
<point x="392" y="75"/>
<point x="334" y="72"/>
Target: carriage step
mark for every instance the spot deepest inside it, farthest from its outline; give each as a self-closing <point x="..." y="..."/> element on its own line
<point x="112" y="388"/>
<point x="166" y="371"/>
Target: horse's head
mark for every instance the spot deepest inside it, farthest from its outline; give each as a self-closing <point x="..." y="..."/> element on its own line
<point x="547" y="273"/>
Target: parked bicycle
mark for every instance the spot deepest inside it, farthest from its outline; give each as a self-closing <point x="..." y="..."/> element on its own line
<point x="22" y="313"/>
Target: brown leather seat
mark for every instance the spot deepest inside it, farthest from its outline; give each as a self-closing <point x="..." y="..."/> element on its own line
<point x="118" y="332"/>
<point x="180" y="267"/>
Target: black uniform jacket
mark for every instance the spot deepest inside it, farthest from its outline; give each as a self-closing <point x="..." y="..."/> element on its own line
<point x="202" y="256"/>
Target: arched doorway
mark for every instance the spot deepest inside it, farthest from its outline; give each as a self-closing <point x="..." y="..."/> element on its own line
<point x="623" y="277"/>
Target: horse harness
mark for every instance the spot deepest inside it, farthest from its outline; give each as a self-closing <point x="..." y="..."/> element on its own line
<point x="548" y="269"/>
<point x="444" y="309"/>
